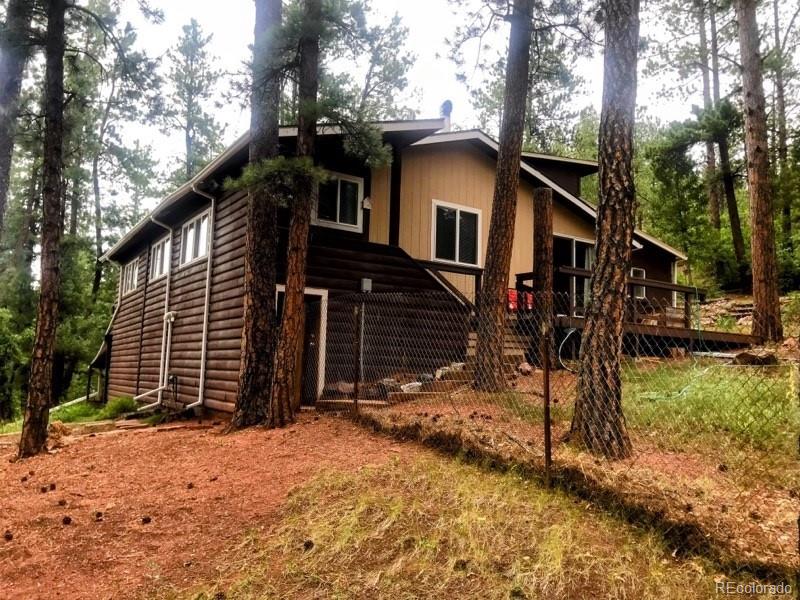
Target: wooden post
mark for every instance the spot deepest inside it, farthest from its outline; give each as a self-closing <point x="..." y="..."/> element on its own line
<point x="543" y="240"/>
<point x="687" y="310"/>
<point x="543" y="268"/>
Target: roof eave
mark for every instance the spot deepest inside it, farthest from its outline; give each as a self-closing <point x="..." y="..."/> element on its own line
<point x="240" y="144"/>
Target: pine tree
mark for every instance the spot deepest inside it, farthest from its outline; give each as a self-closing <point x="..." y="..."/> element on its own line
<point x="766" y="303"/>
<point x="261" y="235"/>
<point x="14" y="49"/>
<point x="293" y="317"/>
<point x="194" y="83"/>
<point x="598" y="422"/>
<point x="491" y="303"/>
<point x="34" y="426"/>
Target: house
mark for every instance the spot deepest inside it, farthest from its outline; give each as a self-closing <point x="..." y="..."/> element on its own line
<point x="419" y="224"/>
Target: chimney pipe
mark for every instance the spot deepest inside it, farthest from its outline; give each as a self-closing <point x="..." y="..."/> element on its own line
<point x="445" y="110"/>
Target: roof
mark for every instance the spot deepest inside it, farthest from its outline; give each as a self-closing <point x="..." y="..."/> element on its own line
<point x="581" y="205"/>
<point x="425" y="126"/>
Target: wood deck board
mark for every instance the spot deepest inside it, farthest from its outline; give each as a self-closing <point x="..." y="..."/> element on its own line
<point x="673" y="332"/>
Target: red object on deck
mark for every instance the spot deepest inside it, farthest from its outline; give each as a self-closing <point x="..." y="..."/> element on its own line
<point x="517" y="301"/>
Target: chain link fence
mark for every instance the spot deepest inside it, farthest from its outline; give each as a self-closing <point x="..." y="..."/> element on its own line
<point x="690" y="433"/>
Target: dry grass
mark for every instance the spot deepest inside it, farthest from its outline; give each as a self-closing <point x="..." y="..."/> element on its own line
<point x="436" y="528"/>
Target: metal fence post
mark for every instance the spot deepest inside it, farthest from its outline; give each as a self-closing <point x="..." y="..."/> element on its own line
<point x="358" y="342"/>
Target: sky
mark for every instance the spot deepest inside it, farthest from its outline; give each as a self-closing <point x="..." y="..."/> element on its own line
<point x="432" y="79"/>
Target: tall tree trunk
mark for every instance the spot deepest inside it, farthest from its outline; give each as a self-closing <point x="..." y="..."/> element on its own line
<point x="766" y="303"/>
<point x="784" y="195"/>
<point x="14" y="47"/>
<point x="293" y="318"/>
<point x="598" y="422"/>
<point x="98" y="229"/>
<point x="728" y="186"/>
<point x="492" y="300"/>
<point x="34" y="425"/>
<point x="259" y="331"/>
<point x="712" y="184"/>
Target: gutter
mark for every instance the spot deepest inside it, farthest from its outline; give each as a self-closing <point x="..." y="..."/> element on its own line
<point x="207" y="303"/>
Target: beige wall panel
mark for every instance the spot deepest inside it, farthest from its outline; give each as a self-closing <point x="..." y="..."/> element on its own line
<point x="379" y="217"/>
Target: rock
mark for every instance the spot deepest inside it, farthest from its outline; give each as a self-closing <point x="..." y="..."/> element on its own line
<point x="344" y="387"/>
<point x="525" y="368"/>
<point x="756" y="358"/>
<point x="412" y="387"/>
<point x="424" y="377"/>
<point x="441" y="372"/>
<point x="457" y="366"/>
<point x="387" y="386"/>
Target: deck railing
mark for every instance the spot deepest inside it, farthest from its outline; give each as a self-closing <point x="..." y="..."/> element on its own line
<point x="636" y="314"/>
<point x="437" y="269"/>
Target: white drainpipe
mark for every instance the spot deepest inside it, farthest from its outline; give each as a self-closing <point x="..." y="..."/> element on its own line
<point x="207" y="304"/>
<point x="166" y="331"/>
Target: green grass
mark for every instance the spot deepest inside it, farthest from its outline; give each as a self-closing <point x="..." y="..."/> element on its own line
<point x="748" y="405"/>
<point x="437" y="528"/>
<point x="81" y="413"/>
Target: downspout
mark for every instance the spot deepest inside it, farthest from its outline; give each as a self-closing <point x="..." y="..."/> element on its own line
<point x="207" y="303"/>
<point x="166" y="331"/>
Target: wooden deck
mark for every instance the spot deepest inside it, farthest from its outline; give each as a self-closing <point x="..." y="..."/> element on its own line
<point x="685" y="335"/>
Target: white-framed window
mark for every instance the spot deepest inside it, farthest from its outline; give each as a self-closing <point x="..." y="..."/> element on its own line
<point x="456" y="234"/>
<point x="639" y="291"/>
<point x="159" y="258"/>
<point x="339" y="202"/>
<point x="130" y="276"/>
<point x="194" y="238"/>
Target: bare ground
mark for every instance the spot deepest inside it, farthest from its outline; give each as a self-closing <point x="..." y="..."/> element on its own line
<point x="754" y="525"/>
<point x="156" y="508"/>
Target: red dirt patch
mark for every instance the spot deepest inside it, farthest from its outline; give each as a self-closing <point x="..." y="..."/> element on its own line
<point x="156" y="507"/>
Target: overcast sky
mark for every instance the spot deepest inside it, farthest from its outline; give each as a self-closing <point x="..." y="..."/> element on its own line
<point x="432" y="78"/>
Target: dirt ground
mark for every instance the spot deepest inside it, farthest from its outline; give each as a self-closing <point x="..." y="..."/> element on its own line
<point x="132" y="511"/>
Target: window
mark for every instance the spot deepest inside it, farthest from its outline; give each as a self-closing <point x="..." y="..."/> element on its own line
<point x="639" y="291"/>
<point x="456" y="233"/>
<point x="194" y="239"/>
<point x="339" y="202"/>
<point x="130" y="277"/>
<point x="159" y="259"/>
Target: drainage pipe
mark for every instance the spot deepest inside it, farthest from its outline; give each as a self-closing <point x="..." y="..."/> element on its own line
<point x="207" y="303"/>
<point x="166" y="330"/>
